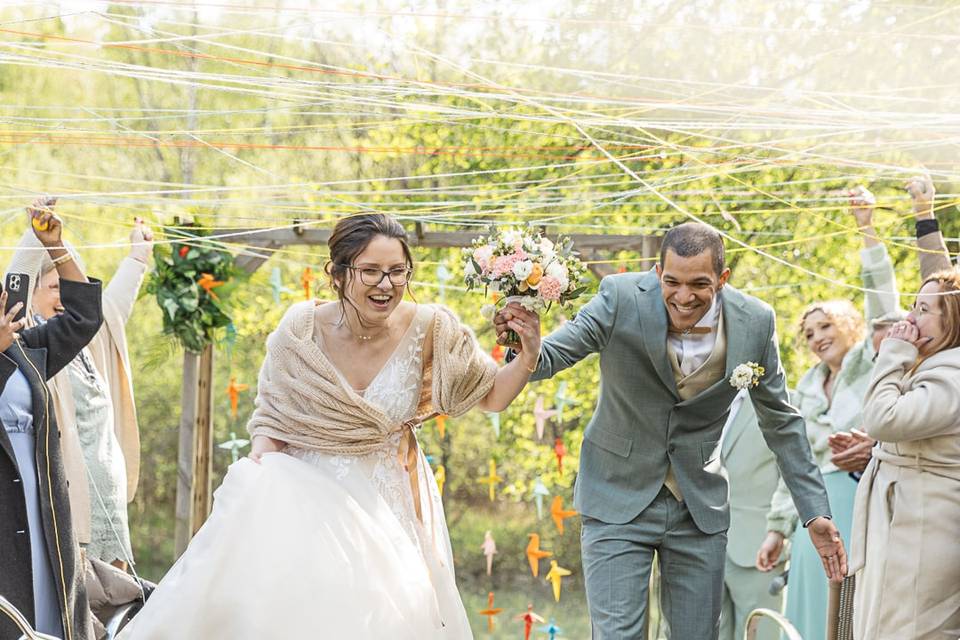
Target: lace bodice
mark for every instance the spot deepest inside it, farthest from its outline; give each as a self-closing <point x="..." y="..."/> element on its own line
<point x="395" y="390"/>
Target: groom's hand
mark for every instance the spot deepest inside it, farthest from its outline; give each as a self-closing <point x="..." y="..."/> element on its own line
<point x="826" y="540"/>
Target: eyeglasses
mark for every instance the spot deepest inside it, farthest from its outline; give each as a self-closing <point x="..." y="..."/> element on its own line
<point x="371" y="276"/>
<point x="923" y="310"/>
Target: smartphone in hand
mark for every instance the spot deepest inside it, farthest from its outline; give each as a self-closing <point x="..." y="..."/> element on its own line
<point x="17" y="287"/>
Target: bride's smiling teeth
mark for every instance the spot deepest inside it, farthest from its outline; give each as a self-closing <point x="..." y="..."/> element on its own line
<point x="381" y="298"/>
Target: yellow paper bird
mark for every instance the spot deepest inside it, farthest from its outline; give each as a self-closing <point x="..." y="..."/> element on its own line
<point x="440" y="475"/>
<point x="208" y="284"/>
<point x="556" y="574"/>
<point x="492" y="479"/>
<point x="535" y="553"/>
<point x="233" y="390"/>
<point x="559" y="514"/>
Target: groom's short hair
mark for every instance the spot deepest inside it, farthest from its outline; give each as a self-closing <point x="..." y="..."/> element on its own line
<point x="691" y="239"/>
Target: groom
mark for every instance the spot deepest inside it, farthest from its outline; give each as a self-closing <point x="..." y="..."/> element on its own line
<point x="650" y="474"/>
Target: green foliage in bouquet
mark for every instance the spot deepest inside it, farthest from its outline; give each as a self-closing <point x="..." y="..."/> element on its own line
<point x="192" y="282"/>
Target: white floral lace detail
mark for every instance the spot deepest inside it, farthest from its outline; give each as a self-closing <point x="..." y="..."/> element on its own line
<point x="395" y="390"/>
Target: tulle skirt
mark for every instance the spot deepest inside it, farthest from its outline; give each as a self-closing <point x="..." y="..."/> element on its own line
<point x="291" y="551"/>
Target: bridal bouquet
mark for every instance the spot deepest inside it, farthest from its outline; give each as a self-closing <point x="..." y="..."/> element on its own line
<point x="523" y="267"/>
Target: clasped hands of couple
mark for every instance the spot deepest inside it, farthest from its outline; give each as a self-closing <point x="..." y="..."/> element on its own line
<point x="823" y="533"/>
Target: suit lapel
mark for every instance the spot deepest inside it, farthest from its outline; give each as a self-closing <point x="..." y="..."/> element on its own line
<point x="737" y="323"/>
<point x="653" y="328"/>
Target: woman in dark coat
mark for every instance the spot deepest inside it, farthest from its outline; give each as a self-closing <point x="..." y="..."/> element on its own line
<point x="41" y="571"/>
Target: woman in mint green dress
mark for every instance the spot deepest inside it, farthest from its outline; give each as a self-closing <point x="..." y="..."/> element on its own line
<point x="830" y="396"/>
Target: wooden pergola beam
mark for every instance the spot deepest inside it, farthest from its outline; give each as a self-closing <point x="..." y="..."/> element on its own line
<point x="586" y="243"/>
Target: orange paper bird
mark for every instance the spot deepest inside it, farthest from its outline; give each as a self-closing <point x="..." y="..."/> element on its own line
<point x="233" y="390"/>
<point x="497" y="353"/>
<point x="535" y="553"/>
<point x="528" y="619"/>
<point x="492" y="479"/>
<point x="559" y="514"/>
<point x="555" y="576"/>
<point x="490" y="612"/>
<point x="208" y="284"/>
<point x="441" y="477"/>
<point x="560" y="451"/>
<point x="442" y="426"/>
<point x="306" y="280"/>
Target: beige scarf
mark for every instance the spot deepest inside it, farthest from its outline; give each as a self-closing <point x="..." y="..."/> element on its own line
<point x="302" y="401"/>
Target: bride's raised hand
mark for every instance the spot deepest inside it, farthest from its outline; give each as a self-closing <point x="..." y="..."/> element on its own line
<point x="262" y="445"/>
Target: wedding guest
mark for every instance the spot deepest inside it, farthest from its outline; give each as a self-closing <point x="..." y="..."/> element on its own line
<point x="753" y="475"/>
<point x="852" y="450"/>
<point x="905" y="553"/>
<point x="40" y="568"/>
<point x="94" y="402"/>
<point x="829" y="397"/>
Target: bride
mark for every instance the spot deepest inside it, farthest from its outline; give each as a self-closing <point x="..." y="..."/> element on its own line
<point x="333" y="527"/>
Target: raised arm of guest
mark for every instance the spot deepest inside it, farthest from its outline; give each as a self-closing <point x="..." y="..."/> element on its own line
<point x="876" y="271"/>
<point x="932" y="248"/>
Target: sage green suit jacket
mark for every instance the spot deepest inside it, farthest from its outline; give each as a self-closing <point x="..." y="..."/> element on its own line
<point x="640" y="425"/>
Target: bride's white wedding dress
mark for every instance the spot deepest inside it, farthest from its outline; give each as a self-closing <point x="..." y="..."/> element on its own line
<point x="309" y="545"/>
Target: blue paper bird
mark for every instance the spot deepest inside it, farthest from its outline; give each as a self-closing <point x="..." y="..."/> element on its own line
<point x="552" y="630"/>
<point x="276" y="283"/>
<point x="495" y="423"/>
<point x="233" y="445"/>
<point x="560" y="401"/>
<point x="539" y="492"/>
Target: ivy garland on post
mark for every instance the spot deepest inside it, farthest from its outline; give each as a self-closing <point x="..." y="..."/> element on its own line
<point x="192" y="283"/>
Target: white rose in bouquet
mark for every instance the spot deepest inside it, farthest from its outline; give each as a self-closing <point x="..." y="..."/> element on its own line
<point x="522" y="270"/>
<point x="559" y="272"/>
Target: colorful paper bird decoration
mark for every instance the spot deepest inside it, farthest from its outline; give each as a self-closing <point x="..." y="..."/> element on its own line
<point x="495" y="423"/>
<point x="276" y="284"/>
<point x="552" y="630"/>
<point x="555" y="576"/>
<point x="490" y="612"/>
<point x="539" y="492"/>
<point x="233" y="445"/>
<point x="489" y="548"/>
<point x="529" y="618"/>
<point x="233" y="390"/>
<point x="560" y="451"/>
<point x="306" y="281"/>
<point x="442" y="426"/>
<point x="559" y="514"/>
<point x="441" y="477"/>
<point x="497" y="353"/>
<point x="443" y="277"/>
<point x="230" y="339"/>
<point x="535" y="553"/>
<point x="541" y="415"/>
<point x="208" y="284"/>
<point x="560" y="400"/>
<point x="492" y="479"/>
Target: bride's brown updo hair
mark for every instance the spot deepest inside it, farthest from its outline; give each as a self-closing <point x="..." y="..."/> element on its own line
<point x="349" y="239"/>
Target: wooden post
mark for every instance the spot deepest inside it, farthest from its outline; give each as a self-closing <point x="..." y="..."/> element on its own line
<point x="194" y="460"/>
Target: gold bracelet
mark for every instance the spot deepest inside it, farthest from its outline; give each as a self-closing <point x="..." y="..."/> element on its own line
<point x="534" y="365"/>
<point x="59" y="260"/>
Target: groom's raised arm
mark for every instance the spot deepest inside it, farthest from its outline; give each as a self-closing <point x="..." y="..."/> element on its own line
<point x="587" y="333"/>
<point x="785" y="432"/>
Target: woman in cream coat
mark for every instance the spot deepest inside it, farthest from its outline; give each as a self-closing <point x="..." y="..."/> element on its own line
<point x="904" y="548"/>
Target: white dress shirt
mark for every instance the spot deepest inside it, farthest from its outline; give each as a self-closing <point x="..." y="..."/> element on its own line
<point x="693" y="349"/>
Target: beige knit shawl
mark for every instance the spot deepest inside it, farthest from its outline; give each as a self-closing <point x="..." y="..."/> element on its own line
<point x="302" y="400"/>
